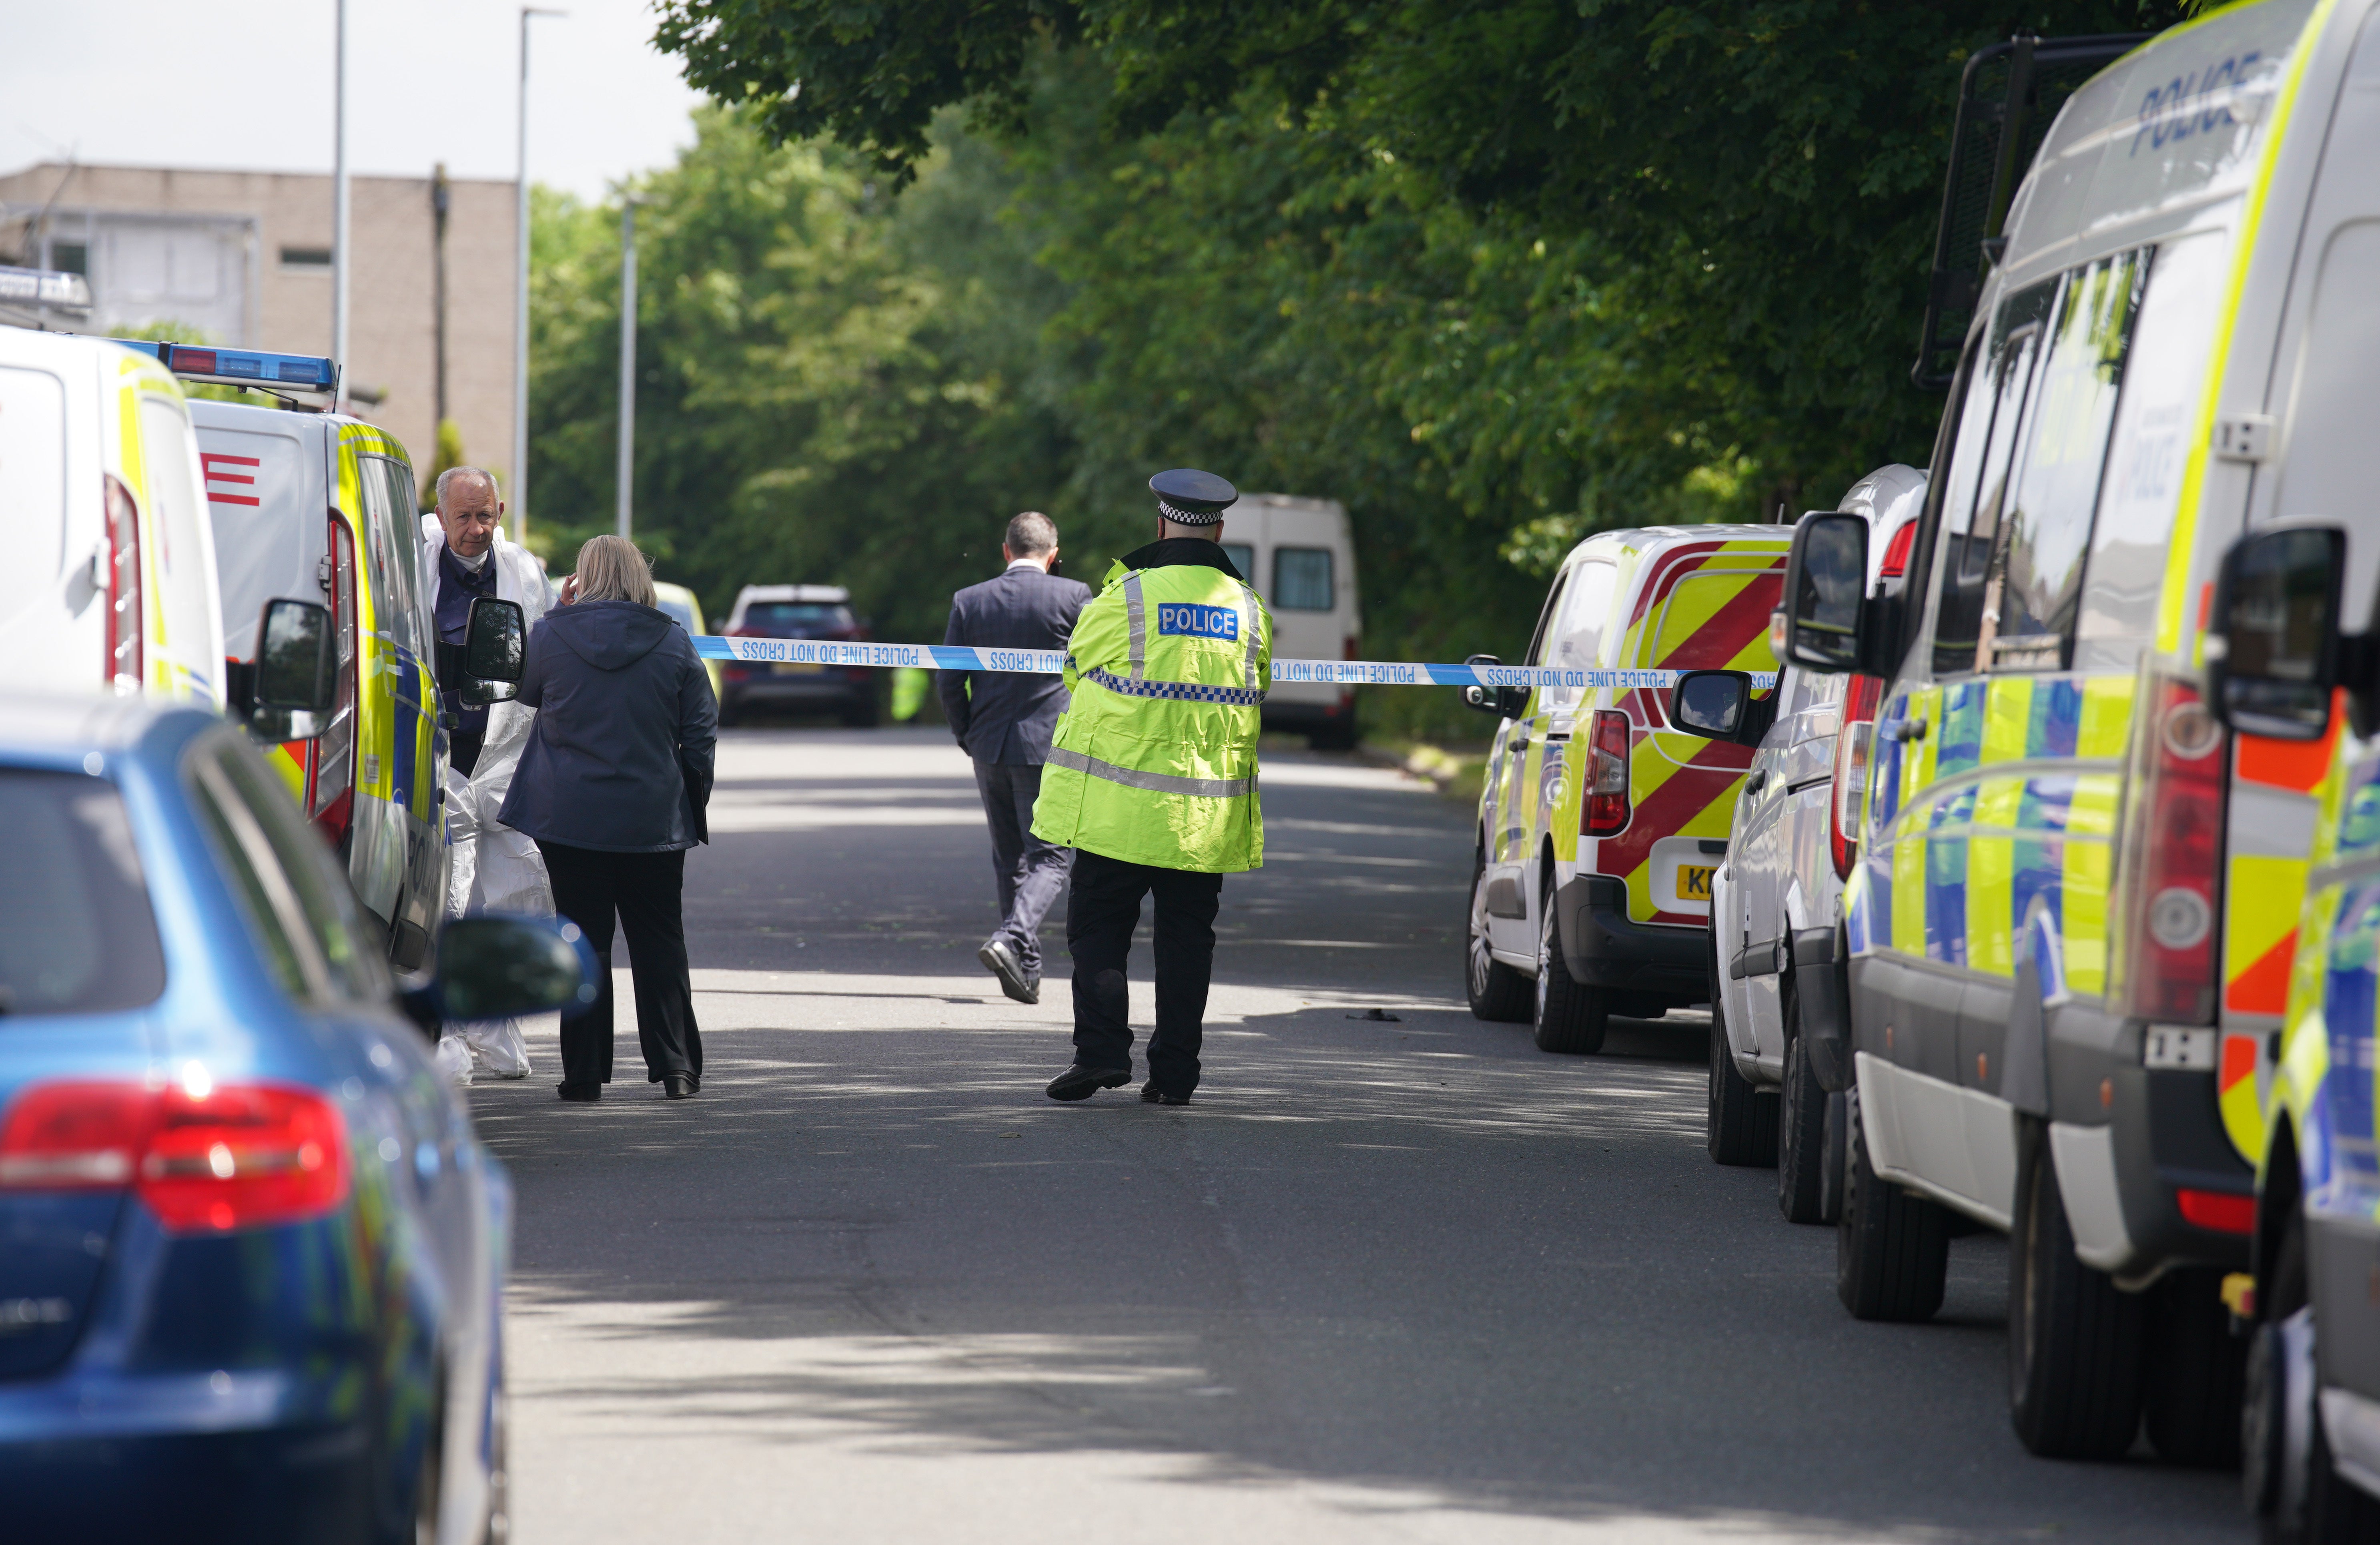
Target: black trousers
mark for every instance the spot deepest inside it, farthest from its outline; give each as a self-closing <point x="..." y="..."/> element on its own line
<point x="1102" y="909"/>
<point x="646" y="890"/>
<point x="1028" y="874"/>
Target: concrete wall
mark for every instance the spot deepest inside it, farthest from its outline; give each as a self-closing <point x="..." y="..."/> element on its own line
<point x="156" y="237"/>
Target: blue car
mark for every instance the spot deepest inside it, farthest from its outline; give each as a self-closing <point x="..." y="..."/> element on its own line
<point x="251" y="1253"/>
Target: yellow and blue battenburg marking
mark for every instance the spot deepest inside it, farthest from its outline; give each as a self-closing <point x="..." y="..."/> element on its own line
<point x="1971" y="848"/>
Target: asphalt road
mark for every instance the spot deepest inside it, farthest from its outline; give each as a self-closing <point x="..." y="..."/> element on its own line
<point x="1410" y="1281"/>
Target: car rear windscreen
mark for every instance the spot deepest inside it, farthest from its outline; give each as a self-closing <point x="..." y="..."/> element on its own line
<point x="781" y="617"/>
<point x="76" y="935"/>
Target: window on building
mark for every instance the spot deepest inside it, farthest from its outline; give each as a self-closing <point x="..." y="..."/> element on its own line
<point x="307" y="258"/>
<point x="70" y="257"/>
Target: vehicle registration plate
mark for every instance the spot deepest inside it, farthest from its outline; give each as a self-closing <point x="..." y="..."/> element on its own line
<point x="785" y="668"/>
<point x="1695" y="881"/>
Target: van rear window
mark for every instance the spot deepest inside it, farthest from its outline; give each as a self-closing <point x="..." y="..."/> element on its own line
<point x="1717" y="620"/>
<point x="1301" y="578"/>
<point x="76" y="935"/>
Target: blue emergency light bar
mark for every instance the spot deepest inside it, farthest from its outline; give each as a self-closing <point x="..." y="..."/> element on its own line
<point x="242" y="366"/>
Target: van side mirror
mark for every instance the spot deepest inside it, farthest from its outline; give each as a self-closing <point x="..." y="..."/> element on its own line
<point x="1718" y="705"/>
<point x="495" y="645"/>
<point x="294" y="681"/>
<point x="1507" y="702"/>
<point x="1826" y="575"/>
<point x="2274" y="650"/>
<point x="492" y="966"/>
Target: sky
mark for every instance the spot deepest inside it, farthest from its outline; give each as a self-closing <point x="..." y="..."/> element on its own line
<point x="168" y="83"/>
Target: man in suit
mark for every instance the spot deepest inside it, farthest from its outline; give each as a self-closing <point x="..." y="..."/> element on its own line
<point x="1004" y="721"/>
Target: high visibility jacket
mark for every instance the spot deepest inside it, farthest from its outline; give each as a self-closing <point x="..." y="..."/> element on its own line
<point x="1154" y="762"/>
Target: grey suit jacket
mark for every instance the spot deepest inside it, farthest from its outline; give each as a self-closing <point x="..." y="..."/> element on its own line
<point x="1003" y="716"/>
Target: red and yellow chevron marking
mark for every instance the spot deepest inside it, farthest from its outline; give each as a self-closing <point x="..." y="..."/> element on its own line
<point x="1686" y="791"/>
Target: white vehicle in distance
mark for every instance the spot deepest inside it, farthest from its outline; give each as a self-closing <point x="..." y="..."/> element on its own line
<point x="110" y="582"/>
<point x="1776" y="902"/>
<point x="1298" y="555"/>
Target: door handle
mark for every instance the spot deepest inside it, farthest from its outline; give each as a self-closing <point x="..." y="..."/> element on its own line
<point x="1757" y="781"/>
<point x="1906" y="730"/>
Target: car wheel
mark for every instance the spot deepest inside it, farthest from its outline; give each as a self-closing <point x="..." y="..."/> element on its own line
<point x="2193" y="1372"/>
<point x="730" y="710"/>
<point x="2074" y="1337"/>
<point x="1892" y="1248"/>
<point x="1497" y="993"/>
<point x="1800" y="1126"/>
<point x="1570" y="1017"/>
<point x="1739" y="1121"/>
<point x="862" y="715"/>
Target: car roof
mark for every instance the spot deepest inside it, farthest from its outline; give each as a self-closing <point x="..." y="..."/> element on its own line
<point x="61" y="728"/>
<point x="675" y="592"/>
<point x="822" y="594"/>
<point x="1640" y="540"/>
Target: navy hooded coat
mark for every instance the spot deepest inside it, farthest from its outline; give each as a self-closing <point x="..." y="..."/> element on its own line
<point x="620" y="756"/>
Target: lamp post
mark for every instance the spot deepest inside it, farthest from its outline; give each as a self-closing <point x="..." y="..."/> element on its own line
<point x="339" y="205"/>
<point x="520" y="289"/>
<point x="627" y="361"/>
<point x="441" y="201"/>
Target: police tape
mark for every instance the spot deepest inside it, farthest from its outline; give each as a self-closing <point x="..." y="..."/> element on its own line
<point x="1050" y="661"/>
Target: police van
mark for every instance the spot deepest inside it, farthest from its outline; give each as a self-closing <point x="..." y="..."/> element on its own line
<point x="1601" y="822"/>
<point x="2071" y="924"/>
<point x="110" y="581"/>
<point x="317" y="506"/>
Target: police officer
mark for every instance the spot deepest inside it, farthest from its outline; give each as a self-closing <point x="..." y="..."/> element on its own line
<point x="1152" y="780"/>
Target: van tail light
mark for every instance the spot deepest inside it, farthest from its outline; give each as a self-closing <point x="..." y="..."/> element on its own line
<point x="1605" y="812"/>
<point x="2220" y="1211"/>
<point x="1854" y="745"/>
<point x="122" y="666"/>
<point x="1896" y="552"/>
<point x="204" y="1157"/>
<point x="2164" y="960"/>
<point x="330" y="756"/>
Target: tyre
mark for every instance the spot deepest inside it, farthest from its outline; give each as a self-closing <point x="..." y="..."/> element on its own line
<point x="1800" y="1126"/>
<point x="2193" y="1372"/>
<point x="2075" y="1338"/>
<point x="862" y="714"/>
<point x="1570" y="1019"/>
<point x="1892" y="1248"/>
<point x="730" y="711"/>
<point x="1739" y="1121"/>
<point x="1498" y="994"/>
<point x="1340" y="736"/>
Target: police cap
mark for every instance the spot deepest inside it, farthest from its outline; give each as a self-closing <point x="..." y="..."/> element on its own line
<point x="1189" y="497"/>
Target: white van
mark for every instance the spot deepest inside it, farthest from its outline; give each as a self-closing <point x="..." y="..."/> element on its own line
<point x="1298" y="555"/>
<point x="110" y="580"/>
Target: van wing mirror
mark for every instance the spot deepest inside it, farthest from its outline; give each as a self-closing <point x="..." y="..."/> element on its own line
<point x="1826" y="575"/>
<point x="295" y="675"/>
<point x="492" y="966"/>
<point x="1508" y="702"/>
<point x="2274" y="650"/>
<point x="1718" y="705"/>
<point x="496" y="647"/>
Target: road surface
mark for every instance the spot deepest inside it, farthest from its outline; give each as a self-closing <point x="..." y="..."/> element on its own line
<point x="1407" y="1280"/>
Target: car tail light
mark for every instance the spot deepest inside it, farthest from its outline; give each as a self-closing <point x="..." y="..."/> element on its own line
<point x="2219" y="1210"/>
<point x="1605" y="809"/>
<point x="1854" y="745"/>
<point x="2164" y="963"/>
<point x="204" y="1157"/>
<point x="1896" y="552"/>
<point x="122" y="664"/>
<point x="331" y="757"/>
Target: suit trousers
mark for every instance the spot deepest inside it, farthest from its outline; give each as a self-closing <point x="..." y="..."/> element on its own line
<point x="646" y="892"/>
<point x="1102" y="911"/>
<point x="1028" y="873"/>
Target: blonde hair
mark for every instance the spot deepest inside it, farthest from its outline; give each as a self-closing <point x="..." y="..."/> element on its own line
<point x="609" y="568"/>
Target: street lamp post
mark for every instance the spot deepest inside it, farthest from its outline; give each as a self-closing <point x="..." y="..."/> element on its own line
<point x="520" y="289"/>
<point x="627" y="363"/>
<point x="339" y="205"/>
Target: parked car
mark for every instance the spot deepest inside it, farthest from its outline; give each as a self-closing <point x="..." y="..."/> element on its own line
<point x="1776" y="900"/>
<point x="1601" y="823"/>
<point x="797" y="611"/>
<point x="2069" y="922"/>
<point x="686" y="610"/>
<point x="321" y="507"/>
<point x="1299" y="555"/>
<point x="110" y="582"/>
<point x="255" y="1258"/>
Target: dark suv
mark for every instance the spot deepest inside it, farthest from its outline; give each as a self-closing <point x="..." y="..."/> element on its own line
<point x="822" y="612"/>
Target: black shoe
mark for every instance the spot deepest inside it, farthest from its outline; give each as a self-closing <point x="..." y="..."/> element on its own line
<point x="1151" y="1095"/>
<point x="679" y="1086"/>
<point x="1080" y="1083"/>
<point x="1001" y="961"/>
<point x="580" y="1094"/>
<point x="694" y="1082"/>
